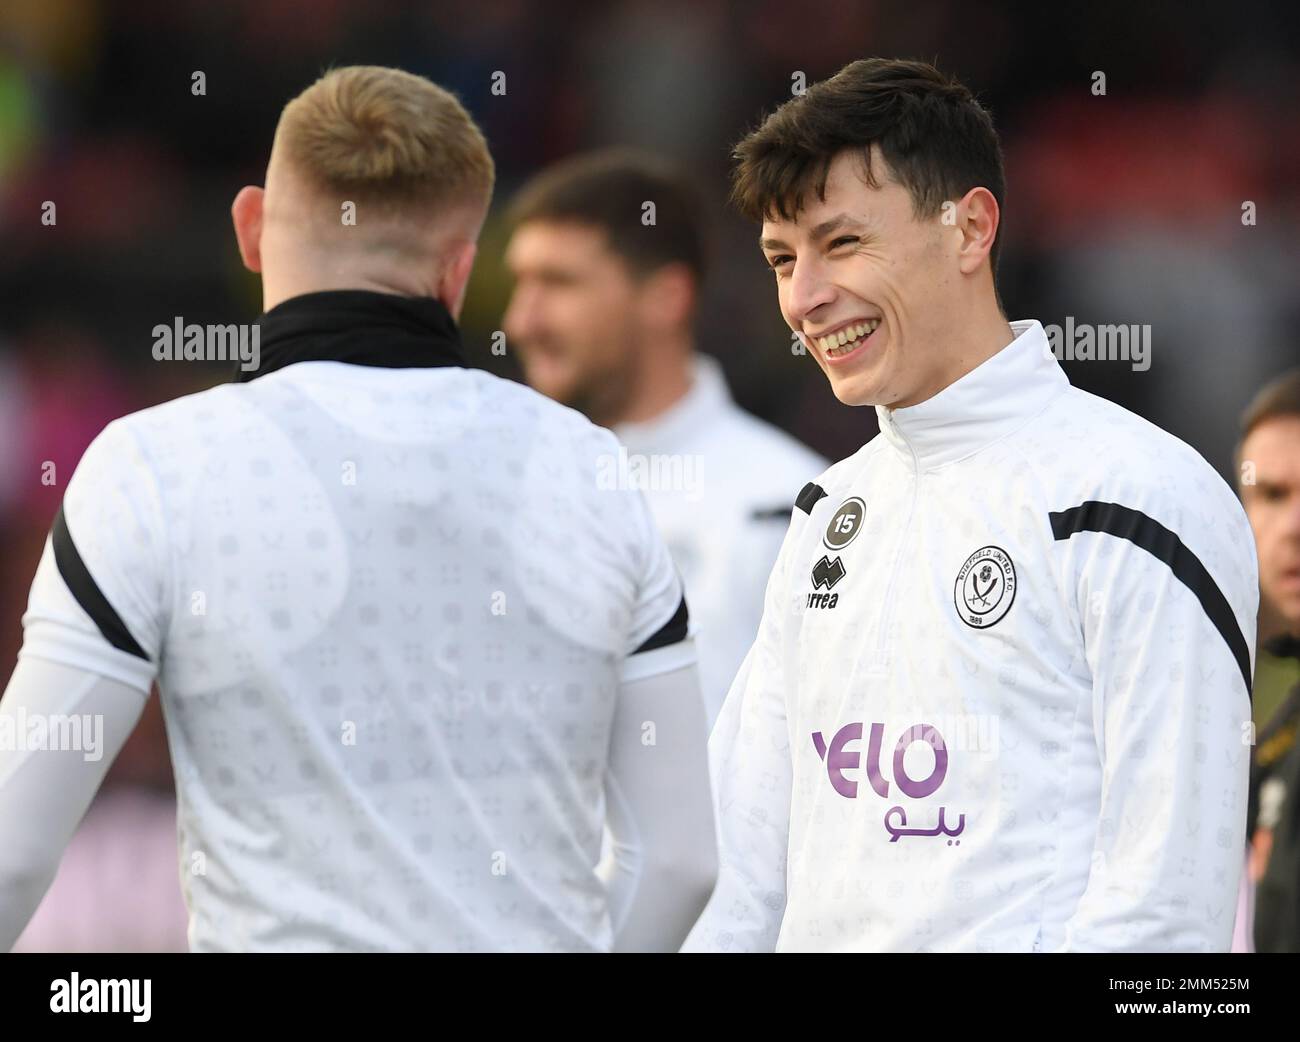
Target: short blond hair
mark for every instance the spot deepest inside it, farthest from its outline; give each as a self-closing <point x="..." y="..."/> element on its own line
<point x="385" y="139"/>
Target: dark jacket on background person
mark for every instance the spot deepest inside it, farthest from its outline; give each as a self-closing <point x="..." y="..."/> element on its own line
<point x="1275" y="804"/>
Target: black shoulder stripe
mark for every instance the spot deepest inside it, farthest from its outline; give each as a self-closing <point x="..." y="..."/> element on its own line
<point x="670" y="632"/>
<point x="87" y="592"/>
<point x="1164" y="545"/>
<point x="809" y="496"/>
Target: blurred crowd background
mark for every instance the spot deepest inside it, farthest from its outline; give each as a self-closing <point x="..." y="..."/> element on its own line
<point x="1123" y="207"/>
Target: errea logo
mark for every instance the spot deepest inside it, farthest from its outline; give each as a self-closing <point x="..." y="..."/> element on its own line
<point x="828" y="570"/>
<point x="825" y="574"/>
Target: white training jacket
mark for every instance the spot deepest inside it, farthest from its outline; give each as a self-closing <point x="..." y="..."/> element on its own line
<point x="413" y="654"/>
<point x="999" y="699"/>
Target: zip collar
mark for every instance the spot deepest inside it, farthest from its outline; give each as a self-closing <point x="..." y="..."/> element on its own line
<point x="993" y="400"/>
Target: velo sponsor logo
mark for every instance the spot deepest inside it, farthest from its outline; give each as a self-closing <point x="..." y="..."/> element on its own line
<point x="838" y="758"/>
<point x="182" y="342"/>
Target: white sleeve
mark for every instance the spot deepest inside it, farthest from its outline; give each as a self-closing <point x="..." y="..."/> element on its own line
<point x="1167" y="600"/>
<point x="749" y="759"/>
<point x="659" y="809"/>
<point x="99" y="598"/>
<point x="660" y="619"/>
<point x="61" y="728"/>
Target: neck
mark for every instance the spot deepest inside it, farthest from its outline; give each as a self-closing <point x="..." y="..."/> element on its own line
<point x="661" y="380"/>
<point x="358" y="327"/>
<point x="975" y="344"/>
<point x="294" y="280"/>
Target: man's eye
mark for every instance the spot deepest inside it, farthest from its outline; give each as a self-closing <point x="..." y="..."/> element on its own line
<point x="779" y="261"/>
<point x="842" y="240"/>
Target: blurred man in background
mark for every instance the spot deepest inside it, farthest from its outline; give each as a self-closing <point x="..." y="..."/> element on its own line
<point x="403" y="637"/>
<point x="1269" y="468"/>
<point x="608" y="257"/>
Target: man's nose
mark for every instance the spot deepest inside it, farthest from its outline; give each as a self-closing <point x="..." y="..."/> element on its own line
<point x="520" y="311"/>
<point x="810" y="290"/>
<point x="1292" y="523"/>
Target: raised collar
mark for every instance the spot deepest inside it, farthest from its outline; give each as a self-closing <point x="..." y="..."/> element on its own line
<point x="360" y="327"/>
<point x="991" y="401"/>
<point x="706" y="398"/>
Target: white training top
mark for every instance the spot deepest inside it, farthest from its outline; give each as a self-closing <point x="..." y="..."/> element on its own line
<point x="1000" y="695"/>
<point x="389" y="610"/>
<point x="720" y="484"/>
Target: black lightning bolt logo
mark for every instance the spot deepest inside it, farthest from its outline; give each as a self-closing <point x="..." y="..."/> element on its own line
<point x="827" y="572"/>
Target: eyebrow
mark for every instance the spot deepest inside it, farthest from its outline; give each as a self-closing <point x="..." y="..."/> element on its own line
<point x="820" y="232"/>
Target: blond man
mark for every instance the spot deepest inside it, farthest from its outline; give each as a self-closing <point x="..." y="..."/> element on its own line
<point x="409" y="648"/>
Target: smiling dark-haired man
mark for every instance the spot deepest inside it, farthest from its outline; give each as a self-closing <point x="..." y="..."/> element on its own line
<point x="1000" y="695"/>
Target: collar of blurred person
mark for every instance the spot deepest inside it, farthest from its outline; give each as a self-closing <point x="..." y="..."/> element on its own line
<point x="705" y="398"/>
<point x="1285" y="645"/>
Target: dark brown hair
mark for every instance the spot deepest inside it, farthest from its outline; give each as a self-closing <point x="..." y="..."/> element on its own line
<point x="937" y="141"/>
<point x="1278" y="397"/>
<point x="608" y="190"/>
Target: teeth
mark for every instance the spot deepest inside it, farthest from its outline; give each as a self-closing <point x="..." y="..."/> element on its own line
<point x="834" y="344"/>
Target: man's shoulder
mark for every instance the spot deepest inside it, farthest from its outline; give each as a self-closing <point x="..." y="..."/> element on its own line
<point x="1101" y="465"/>
<point x="752" y="464"/>
<point x="777" y="451"/>
<point x="510" y="399"/>
<point x="190" y="428"/>
<point x="167" y="428"/>
<point x="843" y="474"/>
<point x="1086" y="438"/>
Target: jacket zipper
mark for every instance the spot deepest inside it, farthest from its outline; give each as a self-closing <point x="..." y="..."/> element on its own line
<point x="880" y="662"/>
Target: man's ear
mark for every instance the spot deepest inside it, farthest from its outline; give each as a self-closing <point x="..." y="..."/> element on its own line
<point x="977" y="220"/>
<point x="668" y="296"/>
<point x="455" y="275"/>
<point x="246" y="212"/>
